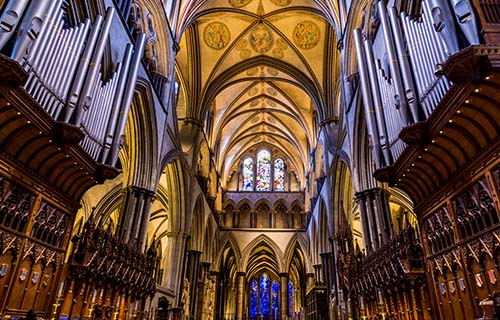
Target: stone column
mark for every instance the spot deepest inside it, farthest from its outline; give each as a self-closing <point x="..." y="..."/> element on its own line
<point x="372" y="221"/>
<point x="240" y="296"/>
<point x="379" y="215"/>
<point x="176" y="249"/>
<point x="284" y="296"/>
<point x="192" y="274"/>
<point x="317" y="273"/>
<point x="365" y="224"/>
<point x="134" y="217"/>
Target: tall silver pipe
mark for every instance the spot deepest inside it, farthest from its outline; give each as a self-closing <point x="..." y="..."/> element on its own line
<point x="413" y="54"/>
<point x="29" y="28"/>
<point x="109" y="105"/>
<point x="116" y="102"/>
<point x="411" y="94"/>
<point x="127" y="100"/>
<point x="73" y="61"/>
<point x="377" y="103"/>
<point x="367" y="99"/>
<point x="427" y="20"/>
<point x="464" y="13"/>
<point x="77" y="84"/>
<point x="438" y="91"/>
<point x="393" y="62"/>
<point x="85" y="99"/>
<point x="47" y="57"/>
<point x="443" y="24"/>
<point x="388" y="105"/>
<point x="60" y="51"/>
<point x="62" y="80"/>
<point x="9" y="20"/>
<point x="68" y="48"/>
<point x="440" y="45"/>
<point x="35" y="51"/>
<point x="423" y="57"/>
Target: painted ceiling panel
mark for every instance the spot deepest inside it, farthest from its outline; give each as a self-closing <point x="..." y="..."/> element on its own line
<point x="258" y="67"/>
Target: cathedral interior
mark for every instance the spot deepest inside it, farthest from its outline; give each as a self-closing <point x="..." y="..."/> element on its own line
<point x="249" y="159"/>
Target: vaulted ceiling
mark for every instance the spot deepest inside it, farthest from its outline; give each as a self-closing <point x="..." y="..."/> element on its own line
<point x="261" y="72"/>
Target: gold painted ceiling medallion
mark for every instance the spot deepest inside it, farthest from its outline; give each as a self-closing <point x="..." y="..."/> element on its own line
<point x="306" y="34"/>
<point x="239" y="3"/>
<point x="281" y="3"/>
<point x="217" y="35"/>
<point x="261" y="38"/>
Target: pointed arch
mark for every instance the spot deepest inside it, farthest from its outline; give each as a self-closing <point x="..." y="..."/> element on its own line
<point x="262" y="239"/>
<point x="297" y="241"/>
<point x="323" y="232"/>
<point x="228" y="240"/>
<point x="176" y="185"/>
<point x="141" y="138"/>
<point x="198" y="228"/>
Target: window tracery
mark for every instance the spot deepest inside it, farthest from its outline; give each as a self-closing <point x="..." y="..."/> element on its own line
<point x="263" y="174"/>
<point x="263" y="179"/>
<point x="248" y="174"/>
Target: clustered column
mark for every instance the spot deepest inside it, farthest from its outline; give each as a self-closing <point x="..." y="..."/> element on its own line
<point x="240" y="302"/>
<point x="375" y="217"/>
<point x="284" y="296"/>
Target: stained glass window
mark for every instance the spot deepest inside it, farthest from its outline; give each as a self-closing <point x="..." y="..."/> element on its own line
<point x="254" y="289"/>
<point x="275" y="289"/>
<point x="279" y="175"/>
<point x="290" y="298"/>
<point x="265" y="285"/>
<point x="248" y="174"/>
<point x="263" y="181"/>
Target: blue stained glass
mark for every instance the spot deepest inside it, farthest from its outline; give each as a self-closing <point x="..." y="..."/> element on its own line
<point x="279" y="175"/>
<point x="248" y="174"/>
<point x="265" y="285"/>
<point x="254" y="288"/>
<point x="275" y="289"/>
<point x="290" y="298"/>
<point x="263" y="180"/>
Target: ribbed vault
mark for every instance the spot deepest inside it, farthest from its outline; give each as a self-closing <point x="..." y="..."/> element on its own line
<point x="257" y="74"/>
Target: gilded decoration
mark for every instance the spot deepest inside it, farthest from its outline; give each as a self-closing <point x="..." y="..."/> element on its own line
<point x="240" y="3"/>
<point x="241" y="46"/>
<point x="261" y="38"/>
<point x="306" y="34"/>
<point x="217" y="35"/>
<point x="281" y="3"/>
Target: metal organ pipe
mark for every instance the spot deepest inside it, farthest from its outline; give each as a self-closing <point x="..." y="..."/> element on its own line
<point x="393" y="63"/>
<point x="117" y="99"/>
<point x="76" y="87"/>
<point x="443" y="24"/>
<point x="415" y="56"/>
<point x="367" y="98"/>
<point x="30" y="28"/>
<point x="466" y="20"/>
<point x="85" y="97"/>
<point x="69" y="63"/>
<point x="10" y="18"/>
<point x="40" y="42"/>
<point x="127" y="100"/>
<point x="411" y="94"/>
<point x="377" y="103"/>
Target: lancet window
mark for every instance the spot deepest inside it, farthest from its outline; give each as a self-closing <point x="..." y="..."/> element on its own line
<point x="264" y="173"/>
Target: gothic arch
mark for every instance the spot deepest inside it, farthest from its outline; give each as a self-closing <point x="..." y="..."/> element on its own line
<point x="227" y="240"/>
<point x="141" y="139"/>
<point x="198" y="228"/>
<point x="323" y="232"/>
<point x="262" y="239"/>
<point x="297" y="241"/>
<point x="176" y="187"/>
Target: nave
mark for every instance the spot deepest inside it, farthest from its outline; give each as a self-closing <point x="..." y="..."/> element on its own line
<point x="249" y="159"/>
